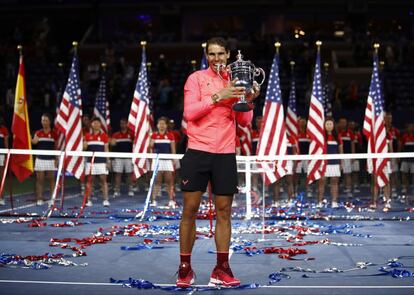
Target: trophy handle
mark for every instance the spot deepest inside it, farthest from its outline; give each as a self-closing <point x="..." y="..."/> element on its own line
<point x="258" y="72"/>
<point x="220" y="68"/>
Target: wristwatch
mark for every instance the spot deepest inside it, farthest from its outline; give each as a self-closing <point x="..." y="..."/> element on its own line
<point x="215" y="98"/>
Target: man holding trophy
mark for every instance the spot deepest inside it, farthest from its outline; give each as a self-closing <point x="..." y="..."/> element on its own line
<point x="215" y="99"/>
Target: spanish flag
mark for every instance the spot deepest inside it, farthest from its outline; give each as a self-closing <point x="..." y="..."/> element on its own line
<point x="21" y="165"/>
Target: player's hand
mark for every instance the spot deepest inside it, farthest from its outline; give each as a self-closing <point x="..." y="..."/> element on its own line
<point x="254" y="92"/>
<point x="231" y="91"/>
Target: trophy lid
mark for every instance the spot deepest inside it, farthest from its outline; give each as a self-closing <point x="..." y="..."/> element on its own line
<point x="239" y="56"/>
<point x="239" y="61"/>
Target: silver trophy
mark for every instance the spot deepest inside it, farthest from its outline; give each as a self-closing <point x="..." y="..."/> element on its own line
<point x="245" y="72"/>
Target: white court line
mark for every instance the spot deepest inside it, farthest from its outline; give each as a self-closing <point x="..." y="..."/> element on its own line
<point x="34" y="204"/>
<point x="204" y="286"/>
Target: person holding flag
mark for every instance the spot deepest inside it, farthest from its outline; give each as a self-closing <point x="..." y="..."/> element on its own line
<point x="121" y="142"/>
<point x="334" y="145"/>
<point x="45" y="165"/>
<point x="97" y="141"/>
<point x="163" y="142"/>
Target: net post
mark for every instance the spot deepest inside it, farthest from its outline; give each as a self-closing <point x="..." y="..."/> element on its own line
<point x="263" y="205"/>
<point x="11" y="187"/>
<point x="248" y="190"/>
<point x="141" y="215"/>
<point x="3" y="180"/>
<point x="55" y="192"/>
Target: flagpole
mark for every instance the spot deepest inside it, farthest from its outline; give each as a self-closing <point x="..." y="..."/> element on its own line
<point x="193" y="65"/>
<point x="62" y="195"/>
<point x="20" y="49"/>
<point x="374" y="161"/>
<point x="62" y="180"/>
<point x="203" y="62"/>
<point x="327" y="98"/>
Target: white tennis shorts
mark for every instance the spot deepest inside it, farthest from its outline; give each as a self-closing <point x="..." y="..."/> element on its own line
<point x="45" y="165"/>
<point x="163" y="165"/>
<point x="97" y="169"/>
<point x="302" y="167"/>
<point x="333" y="170"/>
<point x="122" y="165"/>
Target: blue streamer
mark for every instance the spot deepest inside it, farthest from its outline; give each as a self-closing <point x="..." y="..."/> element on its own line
<point x="395" y="272"/>
<point x="276" y="277"/>
<point x="140" y="247"/>
<point x="395" y="264"/>
<point x="143" y="284"/>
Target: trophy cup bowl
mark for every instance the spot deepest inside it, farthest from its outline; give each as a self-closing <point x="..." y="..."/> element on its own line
<point x="245" y="72"/>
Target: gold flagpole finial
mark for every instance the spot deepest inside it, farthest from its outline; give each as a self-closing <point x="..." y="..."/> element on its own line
<point x="319" y="44"/>
<point x="277" y="46"/>
<point x="20" y="49"/>
<point x="292" y="65"/>
<point x="75" y="44"/>
<point x="143" y="43"/>
<point x="326" y="65"/>
<point x="103" y="65"/>
<point x="376" y="46"/>
<point x="204" y="45"/>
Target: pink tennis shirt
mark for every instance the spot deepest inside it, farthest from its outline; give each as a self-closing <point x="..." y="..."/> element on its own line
<point x="211" y="127"/>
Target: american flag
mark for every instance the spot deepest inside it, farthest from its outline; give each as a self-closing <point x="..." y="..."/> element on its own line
<point x="291" y="116"/>
<point x="374" y="127"/>
<point x="245" y="135"/>
<point x="69" y="120"/>
<point x="273" y="140"/>
<point x="315" y="126"/>
<point x="139" y="118"/>
<point x="101" y="109"/>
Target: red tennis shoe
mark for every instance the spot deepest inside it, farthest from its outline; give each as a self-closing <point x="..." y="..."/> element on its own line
<point x="185" y="276"/>
<point x="223" y="277"/>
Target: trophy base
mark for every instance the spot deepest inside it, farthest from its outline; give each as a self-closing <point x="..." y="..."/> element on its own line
<point x="241" y="107"/>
